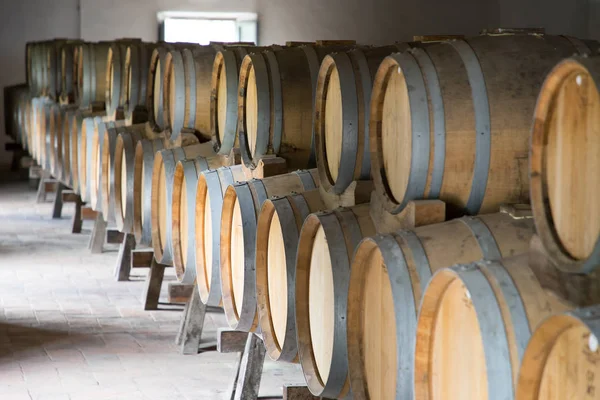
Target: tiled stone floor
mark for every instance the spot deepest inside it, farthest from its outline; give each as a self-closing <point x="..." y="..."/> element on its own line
<point x="68" y="330"/>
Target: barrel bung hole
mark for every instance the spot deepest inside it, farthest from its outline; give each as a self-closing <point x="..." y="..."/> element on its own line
<point x="572" y="160"/>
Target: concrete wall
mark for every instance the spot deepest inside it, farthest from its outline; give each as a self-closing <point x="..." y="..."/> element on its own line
<point x="101" y="20"/>
<point x="375" y="21"/>
<point x="22" y="21"/>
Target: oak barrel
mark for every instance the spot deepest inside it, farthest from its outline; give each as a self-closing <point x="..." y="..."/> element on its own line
<point x="475" y="321"/>
<point x="137" y="66"/>
<point x="224" y="97"/>
<point x="562" y="359"/>
<point x="183" y="217"/>
<point x="327" y="242"/>
<point x="69" y="62"/>
<point x="452" y="120"/>
<point x="187" y="89"/>
<point x="341" y="114"/>
<point x="277" y="234"/>
<point x="143" y="165"/>
<point x="91" y="76"/>
<point x="163" y="172"/>
<point x="241" y="204"/>
<point x="210" y="190"/>
<point x="123" y="172"/>
<point x="116" y="78"/>
<point x="276" y="101"/>
<point x="387" y="278"/>
<point x="565" y="155"/>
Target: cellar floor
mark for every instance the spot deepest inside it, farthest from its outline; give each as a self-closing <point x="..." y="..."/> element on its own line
<point x="68" y="330"/>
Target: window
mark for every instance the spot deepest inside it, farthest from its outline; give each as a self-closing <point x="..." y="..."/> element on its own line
<point x="206" y="27"/>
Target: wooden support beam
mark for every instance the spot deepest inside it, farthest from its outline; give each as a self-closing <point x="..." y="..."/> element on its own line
<point x="297" y="392"/>
<point x="96" y="244"/>
<point x="153" y="284"/>
<point x="69" y="196"/>
<point x="142" y="258"/>
<point x="249" y="372"/>
<point x="77" y="221"/>
<point x="113" y="236"/>
<point x="124" y="258"/>
<point x="230" y="341"/>
<point x="87" y="214"/>
<point x="58" y="201"/>
<point x="179" y="292"/>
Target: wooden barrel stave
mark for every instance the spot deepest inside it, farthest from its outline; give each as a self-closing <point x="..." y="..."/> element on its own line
<point x="277" y="235"/>
<point x="210" y="191"/>
<point x="137" y="61"/>
<point x="91" y="76"/>
<point x="241" y="205"/>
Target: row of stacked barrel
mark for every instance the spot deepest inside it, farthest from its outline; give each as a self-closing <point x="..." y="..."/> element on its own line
<point x="407" y="263"/>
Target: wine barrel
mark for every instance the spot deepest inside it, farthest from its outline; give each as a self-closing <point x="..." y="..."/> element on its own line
<point x="223" y="101"/>
<point x="94" y="161"/>
<point x="210" y="190"/>
<point x="91" y="76"/>
<point x="145" y="151"/>
<point x="107" y="166"/>
<point x="159" y="65"/>
<point x="137" y="62"/>
<point x="327" y="242"/>
<point x="562" y="359"/>
<point x="475" y="321"/>
<point x="85" y="156"/>
<point x="163" y="171"/>
<point x="69" y="129"/>
<point x="389" y="274"/>
<point x="52" y="125"/>
<point x="187" y="89"/>
<point x="55" y="133"/>
<point x="452" y="120"/>
<point x="341" y="116"/>
<point x="75" y="146"/>
<point x="30" y="49"/>
<point x="116" y="82"/>
<point x="275" y="103"/>
<point x="122" y="172"/>
<point x="241" y="204"/>
<point x="277" y="234"/>
<point x="68" y="71"/>
<point x="183" y="216"/>
<point x="39" y="69"/>
<point x="565" y="151"/>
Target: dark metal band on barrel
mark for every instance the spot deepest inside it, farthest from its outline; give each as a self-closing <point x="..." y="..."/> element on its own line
<point x="180" y="85"/>
<point x="312" y="60"/>
<point x="350" y="122"/>
<point x="246" y="203"/>
<point x="483" y="142"/>
<point x="367" y="86"/>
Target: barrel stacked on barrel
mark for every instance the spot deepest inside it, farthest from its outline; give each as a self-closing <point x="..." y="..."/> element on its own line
<point x="415" y="220"/>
